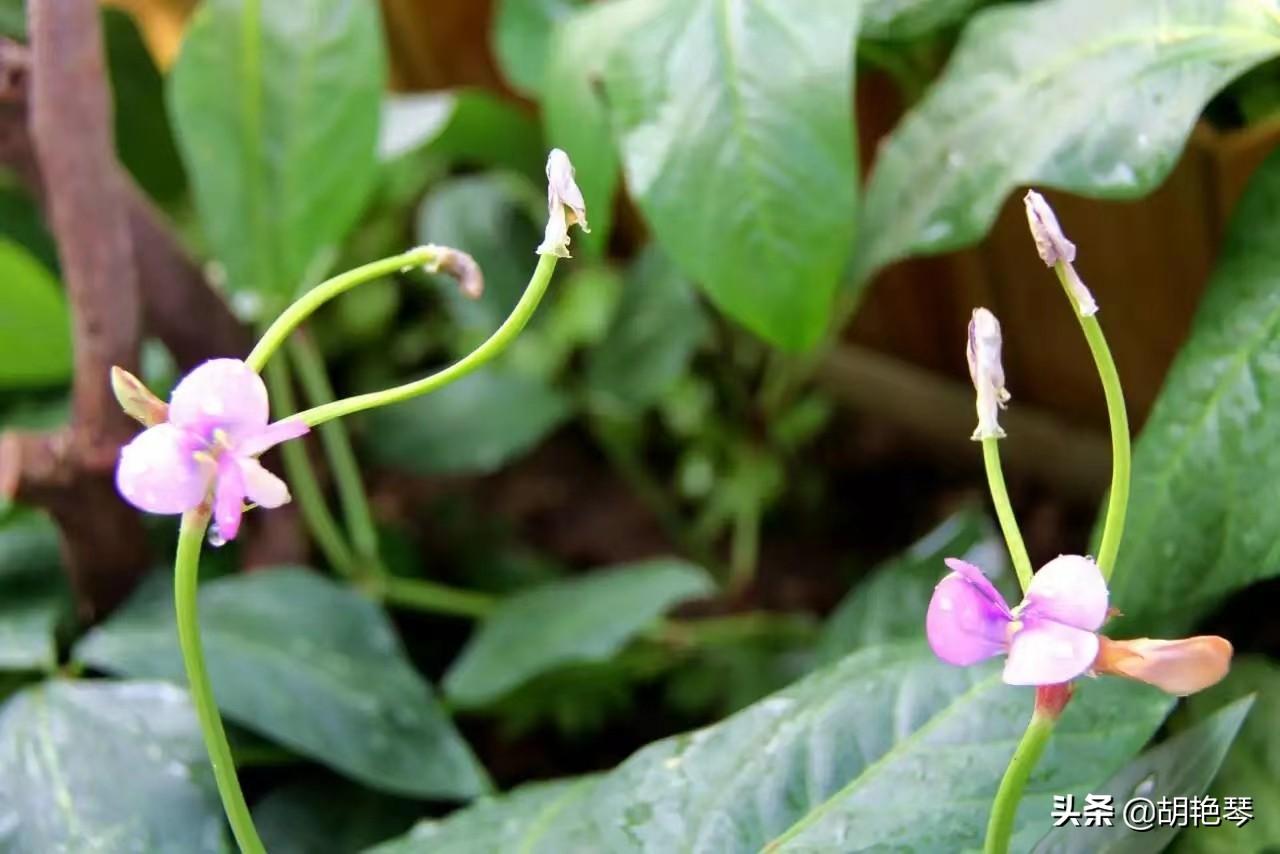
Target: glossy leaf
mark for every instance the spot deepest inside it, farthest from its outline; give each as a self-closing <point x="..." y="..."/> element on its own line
<point x="1181" y="767"/>
<point x="1092" y="96"/>
<point x="309" y="664"/>
<point x="467" y="127"/>
<point x="891" y="602"/>
<point x="35" y="329"/>
<point x="579" y="620"/>
<point x="734" y="119"/>
<point x="32" y="592"/>
<point x="474" y="426"/>
<point x="275" y="106"/>
<point x="521" y="38"/>
<point x="909" y="19"/>
<point x="1206" y="478"/>
<point x="851" y="758"/>
<point x="656" y="328"/>
<point x="322" y="816"/>
<point x="105" y="767"/>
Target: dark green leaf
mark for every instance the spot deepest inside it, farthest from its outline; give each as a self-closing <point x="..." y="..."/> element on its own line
<point x="310" y="664"/>
<point x="277" y="121"/>
<point x="474" y="426"/>
<point x="1206" y="478"/>
<point x="909" y="19"/>
<point x="1092" y="96"/>
<point x="522" y="36"/>
<point x="32" y="592"/>
<point x="890" y="603"/>
<point x="22" y="221"/>
<point x="735" y="124"/>
<point x="328" y="815"/>
<point x="469" y="127"/>
<point x="888" y="750"/>
<point x="1183" y="766"/>
<point x="105" y="767"/>
<point x="657" y="327"/>
<point x="35" y="335"/>
<point x="584" y="619"/>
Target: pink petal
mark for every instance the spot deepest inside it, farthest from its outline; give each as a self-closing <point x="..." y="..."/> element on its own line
<point x="1070" y="590"/>
<point x="158" y="471"/>
<point x="221" y="393"/>
<point x="262" y="487"/>
<point x="964" y="626"/>
<point x="255" y="443"/>
<point x="975" y="576"/>
<point x="228" y="500"/>
<point x="1047" y="653"/>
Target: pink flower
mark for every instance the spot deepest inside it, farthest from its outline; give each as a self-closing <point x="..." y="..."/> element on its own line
<point x="209" y="444"/>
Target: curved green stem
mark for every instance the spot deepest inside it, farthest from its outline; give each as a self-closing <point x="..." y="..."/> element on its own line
<point x="493" y="345"/>
<point x="434" y="598"/>
<point x="186" y="581"/>
<point x="1004" y="512"/>
<point x="1009" y="795"/>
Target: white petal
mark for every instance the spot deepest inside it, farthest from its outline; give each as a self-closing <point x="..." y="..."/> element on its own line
<point x="262" y="487"/>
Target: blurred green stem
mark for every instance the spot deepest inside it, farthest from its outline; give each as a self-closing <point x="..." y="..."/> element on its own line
<point x="186" y="583"/>
<point x="1005" y="807"/>
<point x="422" y="595"/>
<point x="1004" y="512"/>
<point x="734" y="628"/>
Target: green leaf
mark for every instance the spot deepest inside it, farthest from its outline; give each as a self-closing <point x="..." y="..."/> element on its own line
<point x="909" y="19"/>
<point x="35" y="329"/>
<point x="22" y="221"/>
<point x="734" y="119"/>
<point x="474" y="426"/>
<point x="321" y="816"/>
<point x="1183" y="766"/>
<point x="1092" y="96"/>
<point x="1206" y="478"/>
<point x="522" y="36"/>
<point x="656" y="329"/>
<point x="466" y="127"/>
<point x="310" y="664"/>
<point x="33" y="593"/>
<point x="1252" y="768"/>
<point x="276" y="110"/>
<point x="859" y="753"/>
<point x="105" y="767"/>
<point x="579" y="620"/>
<point x="889" y="604"/>
<point x="13" y="19"/>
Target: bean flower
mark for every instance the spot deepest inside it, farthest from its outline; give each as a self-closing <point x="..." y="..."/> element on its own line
<point x="203" y="446"/>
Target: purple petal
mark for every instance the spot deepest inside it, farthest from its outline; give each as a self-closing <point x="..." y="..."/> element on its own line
<point x="158" y="471"/>
<point x="255" y="443"/>
<point x="262" y="487"/>
<point x="1070" y="590"/>
<point x="964" y="626"/>
<point x="221" y="393"/>
<point x="975" y="576"/>
<point x="1047" y="653"/>
<point x="228" y="500"/>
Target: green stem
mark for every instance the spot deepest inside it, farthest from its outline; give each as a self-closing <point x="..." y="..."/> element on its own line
<point x="310" y="370"/>
<point x="1004" y="512"/>
<point x="303" y="483"/>
<point x="744" y="546"/>
<point x="434" y="598"/>
<point x="186" y="581"/>
<point x="493" y="345"/>
<point x="1009" y="795"/>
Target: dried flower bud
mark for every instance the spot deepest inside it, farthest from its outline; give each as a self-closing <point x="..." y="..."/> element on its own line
<point x="987" y="373"/>
<point x="463" y="268"/>
<point x="1055" y="249"/>
<point x="565" y="205"/>
<point x="136" y="399"/>
<point x="1178" y="667"/>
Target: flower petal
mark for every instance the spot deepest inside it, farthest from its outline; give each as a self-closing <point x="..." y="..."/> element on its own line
<point x="158" y="471"/>
<point x="252" y="444"/>
<point x="1046" y="653"/>
<point x="978" y="578"/>
<point x="1070" y="590"/>
<point x="228" y="500"/>
<point x="262" y="487"/>
<point x="1179" y="667"/>
<point x="223" y="394"/>
<point x="963" y="624"/>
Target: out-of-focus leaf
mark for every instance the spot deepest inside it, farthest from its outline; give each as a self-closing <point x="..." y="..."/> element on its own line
<point x="474" y="426"/>
<point x="521" y="38"/>
<point x="277" y="121"/>
<point x="891" y="602"/>
<point x="13" y="19"/>
<point x="144" y="139"/>
<point x="850" y="758"/>
<point x="329" y="815"/>
<point x="908" y="19"/>
<point x="32" y="592"/>
<point x="735" y="123"/>
<point x="656" y="329"/>
<point x="1252" y="768"/>
<point x="22" y="222"/>
<point x="35" y="330"/>
<point x="105" y="766"/>
<point x="1206" y="477"/>
<point x="1182" y="767"/>
<point x="584" y="619"/>
<point x="1092" y="96"/>
<point x="309" y="664"/>
<point x="467" y="127"/>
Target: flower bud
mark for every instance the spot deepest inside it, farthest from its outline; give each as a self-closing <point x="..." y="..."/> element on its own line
<point x="987" y="373"/>
<point x="464" y="269"/>
<point x="565" y="205"/>
<point x="136" y="399"/>
<point x="1054" y="249"/>
<point x="1177" y="667"/>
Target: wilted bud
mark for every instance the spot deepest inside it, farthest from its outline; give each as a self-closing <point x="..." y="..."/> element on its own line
<point x="987" y="372"/>
<point x="136" y="399"/>
<point x="463" y="268"/>
<point x="1177" y="667"/>
<point x="1055" y="249"/>
<point x="565" y="206"/>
